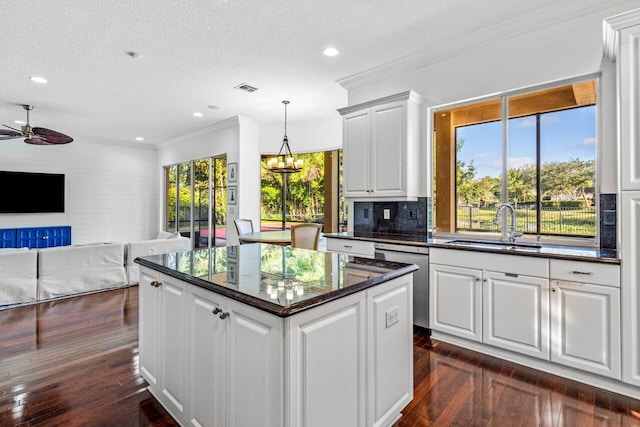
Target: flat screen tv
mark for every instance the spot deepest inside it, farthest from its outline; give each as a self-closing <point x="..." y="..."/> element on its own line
<point x="27" y="192"/>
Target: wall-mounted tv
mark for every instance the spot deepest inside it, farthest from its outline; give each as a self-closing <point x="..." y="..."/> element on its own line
<point x="27" y="192"/>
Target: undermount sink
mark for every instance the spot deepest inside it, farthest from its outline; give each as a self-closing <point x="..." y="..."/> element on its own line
<point x="503" y="246"/>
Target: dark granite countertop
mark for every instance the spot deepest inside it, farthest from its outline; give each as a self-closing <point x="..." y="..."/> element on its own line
<point x="278" y="279"/>
<point x="576" y="253"/>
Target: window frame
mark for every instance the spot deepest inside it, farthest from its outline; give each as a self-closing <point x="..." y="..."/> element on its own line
<point x="504" y="97"/>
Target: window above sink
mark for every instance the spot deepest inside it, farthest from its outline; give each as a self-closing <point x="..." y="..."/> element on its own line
<point x="534" y="149"/>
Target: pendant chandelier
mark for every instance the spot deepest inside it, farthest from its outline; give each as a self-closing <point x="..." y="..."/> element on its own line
<point x="284" y="161"/>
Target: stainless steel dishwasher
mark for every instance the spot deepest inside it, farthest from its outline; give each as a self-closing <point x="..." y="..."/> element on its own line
<point x="419" y="256"/>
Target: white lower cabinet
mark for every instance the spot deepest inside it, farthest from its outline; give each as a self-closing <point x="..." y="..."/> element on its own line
<point x="213" y="361"/>
<point x="563" y="311"/>
<point x="516" y="313"/>
<point x="162" y="363"/>
<point x="501" y="300"/>
<point x="456" y="301"/>
<point x="585" y="327"/>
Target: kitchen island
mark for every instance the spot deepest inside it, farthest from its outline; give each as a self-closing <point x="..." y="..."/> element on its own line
<point x="267" y="335"/>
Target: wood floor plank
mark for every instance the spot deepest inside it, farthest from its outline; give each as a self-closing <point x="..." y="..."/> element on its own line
<point x="74" y="362"/>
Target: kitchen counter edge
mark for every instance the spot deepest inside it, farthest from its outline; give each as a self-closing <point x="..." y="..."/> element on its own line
<point x="563" y="252"/>
<point x="396" y="270"/>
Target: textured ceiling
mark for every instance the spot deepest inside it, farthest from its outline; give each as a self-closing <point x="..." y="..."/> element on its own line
<point x="193" y="53"/>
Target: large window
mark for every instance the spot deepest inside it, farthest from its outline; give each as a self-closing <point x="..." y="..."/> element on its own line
<point x="312" y="195"/>
<point x="535" y="151"/>
<point x="196" y="200"/>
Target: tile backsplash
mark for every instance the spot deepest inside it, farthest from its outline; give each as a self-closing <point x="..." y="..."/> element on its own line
<point x="608" y="220"/>
<point x="393" y="217"/>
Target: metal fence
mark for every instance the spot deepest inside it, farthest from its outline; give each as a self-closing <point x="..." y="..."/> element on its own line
<point x="566" y="221"/>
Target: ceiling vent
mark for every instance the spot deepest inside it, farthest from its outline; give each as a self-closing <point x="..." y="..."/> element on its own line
<point x="246" y="87"/>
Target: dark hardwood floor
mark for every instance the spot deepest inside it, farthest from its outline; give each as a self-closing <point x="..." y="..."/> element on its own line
<point x="74" y="362"/>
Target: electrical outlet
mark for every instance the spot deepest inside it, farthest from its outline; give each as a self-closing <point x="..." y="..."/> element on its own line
<point x="413" y="213"/>
<point x="387" y="214"/>
<point x="392" y="316"/>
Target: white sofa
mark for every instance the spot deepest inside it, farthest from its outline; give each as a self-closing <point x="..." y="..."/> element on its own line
<point x="165" y="243"/>
<point x="18" y="276"/>
<point x="68" y="270"/>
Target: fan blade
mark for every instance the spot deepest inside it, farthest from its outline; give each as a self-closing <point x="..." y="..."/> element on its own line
<point x="9" y="134"/>
<point x="51" y="136"/>
<point x="17" y="130"/>
<point x="35" y="140"/>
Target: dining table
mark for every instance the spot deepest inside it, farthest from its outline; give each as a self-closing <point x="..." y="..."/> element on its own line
<point x="275" y="237"/>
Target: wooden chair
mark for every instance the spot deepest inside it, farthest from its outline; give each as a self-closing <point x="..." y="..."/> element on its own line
<point x="305" y="236"/>
<point x="243" y="226"/>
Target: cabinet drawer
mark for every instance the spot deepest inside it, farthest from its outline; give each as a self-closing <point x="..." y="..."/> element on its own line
<point x="585" y="272"/>
<point x="353" y="247"/>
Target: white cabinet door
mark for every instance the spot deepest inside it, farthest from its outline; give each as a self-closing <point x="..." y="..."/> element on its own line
<point x="206" y="332"/>
<point x="254" y="366"/>
<point x="388" y="150"/>
<point x="455" y="296"/>
<point x="389" y="350"/>
<point x="516" y="313"/>
<point x="327" y="360"/>
<point x="173" y="344"/>
<point x="629" y="93"/>
<point x="149" y="318"/>
<point x="585" y="327"/>
<point x="630" y="214"/>
<point x="357" y="147"/>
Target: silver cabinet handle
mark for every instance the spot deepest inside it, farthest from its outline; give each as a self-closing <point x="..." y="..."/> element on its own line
<point x="348" y="246"/>
<point x="224" y="315"/>
<point x="216" y="310"/>
<point x="584" y="273"/>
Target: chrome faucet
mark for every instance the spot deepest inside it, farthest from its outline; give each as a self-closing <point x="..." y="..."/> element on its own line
<point x="512" y="232"/>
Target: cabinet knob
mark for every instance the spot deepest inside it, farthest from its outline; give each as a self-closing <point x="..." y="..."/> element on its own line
<point x="484" y="280"/>
<point x="553" y="289"/>
<point x="224" y="315"/>
<point x="477" y="279"/>
<point x="156" y="284"/>
<point x="216" y="310"/>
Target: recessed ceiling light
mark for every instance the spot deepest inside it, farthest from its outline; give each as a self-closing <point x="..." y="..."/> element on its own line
<point x="19" y="122"/>
<point x="37" y="79"/>
<point x="330" y="51"/>
<point x="197" y="114"/>
<point x="139" y="138"/>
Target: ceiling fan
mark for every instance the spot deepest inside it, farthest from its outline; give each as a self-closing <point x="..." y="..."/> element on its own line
<point x="36" y="136"/>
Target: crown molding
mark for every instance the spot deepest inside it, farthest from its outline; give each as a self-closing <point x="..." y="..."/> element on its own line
<point x="517" y="26"/>
<point x="218" y="126"/>
<point x="402" y="96"/>
<point x="611" y="30"/>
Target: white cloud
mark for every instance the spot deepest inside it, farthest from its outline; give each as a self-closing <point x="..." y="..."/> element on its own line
<point x="589" y="142"/>
<point x="517" y="162"/>
<point x="529" y="122"/>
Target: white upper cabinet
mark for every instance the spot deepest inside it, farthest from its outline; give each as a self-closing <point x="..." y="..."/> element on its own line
<point x="382" y="149"/>
<point x="622" y="44"/>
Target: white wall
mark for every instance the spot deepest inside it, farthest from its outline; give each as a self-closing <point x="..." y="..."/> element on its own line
<point x="472" y="69"/>
<point x="304" y="137"/>
<point x="110" y="190"/>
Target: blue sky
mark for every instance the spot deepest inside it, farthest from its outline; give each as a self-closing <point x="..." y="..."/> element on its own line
<point x="564" y="135"/>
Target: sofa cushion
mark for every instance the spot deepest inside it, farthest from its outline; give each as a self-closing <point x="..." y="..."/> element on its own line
<point x="68" y="270"/>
